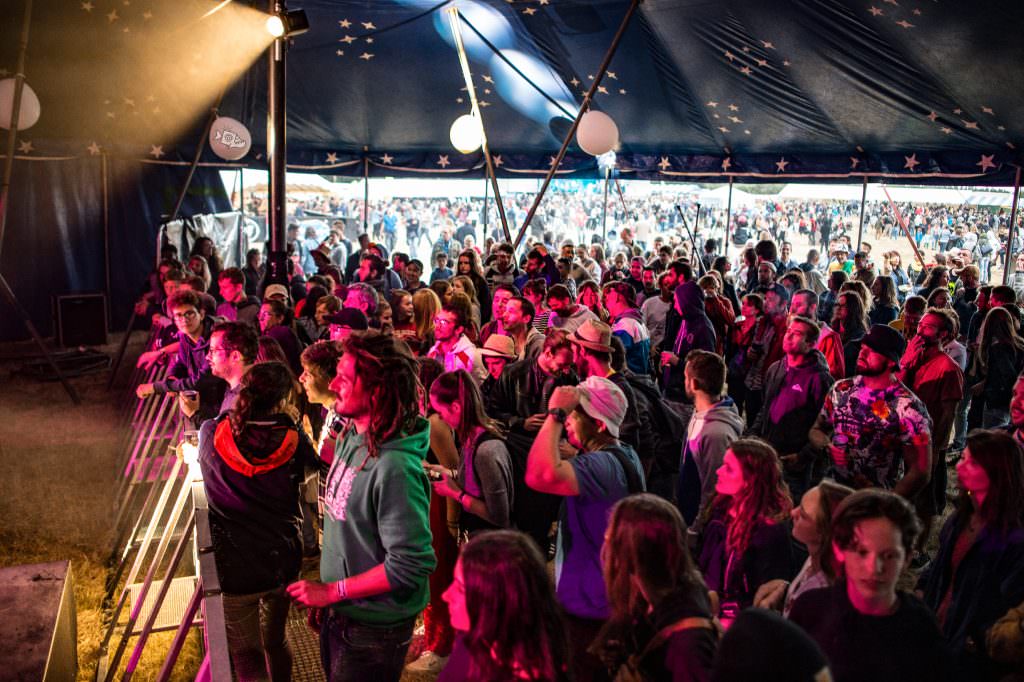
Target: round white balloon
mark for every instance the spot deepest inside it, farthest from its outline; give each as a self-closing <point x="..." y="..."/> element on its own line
<point x="597" y="133"/>
<point x="229" y="139"/>
<point x="29" y="110"/>
<point x="467" y="133"/>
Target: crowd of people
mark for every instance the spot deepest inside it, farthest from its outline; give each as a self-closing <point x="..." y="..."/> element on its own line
<point x="734" y="466"/>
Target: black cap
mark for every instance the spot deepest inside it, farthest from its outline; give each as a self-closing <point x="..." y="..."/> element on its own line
<point x="352" y="318"/>
<point x="886" y="341"/>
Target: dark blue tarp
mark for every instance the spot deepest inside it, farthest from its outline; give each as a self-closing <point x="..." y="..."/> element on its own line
<point x="760" y="91"/>
<point x="54" y="243"/>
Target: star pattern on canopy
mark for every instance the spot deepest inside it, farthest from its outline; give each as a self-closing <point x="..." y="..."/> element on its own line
<point x="332" y="157"/>
<point x="986" y="162"/>
<point x="156" y="151"/>
<point x="780" y="165"/>
<point x="442" y="161"/>
<point x="386" y="159"/>
<point x="25" y="147"/>
<point x="911" y="162"/>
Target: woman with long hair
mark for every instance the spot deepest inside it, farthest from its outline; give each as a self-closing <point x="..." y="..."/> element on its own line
<point x="751" y="320"/>
<point x="468" y="265"/>
<point x="746" y="542"/>
<point x="503" y="606"/>
<point x="851" y="321"/>
<point x="997" y="364"/>
<point x="938" y="278"/>
<point x="464" y="285"/>
<point x="590" y="297"/>
<point x="660" y="621"/>
<point x="978" y="572"/>
<point x="812" y="527"/>
<point x="425" y="306"/>
<point x="886" y="307"/>
<point x="253" y="461"/>
<point x="482" y="486"/>
<point x="403" y="318"/>
<point x="205" y="247"/>
<point x="197" y="265"/>
<point x="464" y="303"/>
<point x="306" y="326"/>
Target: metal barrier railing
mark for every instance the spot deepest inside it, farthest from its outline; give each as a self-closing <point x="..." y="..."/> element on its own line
<point x="161" y="512"/>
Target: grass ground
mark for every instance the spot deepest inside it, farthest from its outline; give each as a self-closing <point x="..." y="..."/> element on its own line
<point x="57" y="477"/>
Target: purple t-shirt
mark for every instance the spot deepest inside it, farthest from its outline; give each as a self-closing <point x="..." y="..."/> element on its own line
<point x="582" y="522"/>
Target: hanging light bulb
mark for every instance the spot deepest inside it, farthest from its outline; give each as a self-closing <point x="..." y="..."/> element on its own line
<point x="467" y="133"/>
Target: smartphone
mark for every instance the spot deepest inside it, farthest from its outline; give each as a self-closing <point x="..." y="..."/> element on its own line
<point x="434" y="475"/>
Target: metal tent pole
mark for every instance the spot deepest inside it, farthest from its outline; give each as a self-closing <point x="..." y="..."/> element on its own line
<point x="584" y="106"/>
<point x="1013" y="225"/>
<point x="728" y="219"/>
<point x="863" y="200"/>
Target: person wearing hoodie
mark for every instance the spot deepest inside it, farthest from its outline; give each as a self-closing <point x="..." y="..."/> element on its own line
<point x="695" y="333"/>
<point x="628" y="326"/>
<point x="714" y="426"/>
<point x="794" y="391"/>
<point x="253" y="460"/>
<point x="377" y="555"/>
<point x="566" y="313"/>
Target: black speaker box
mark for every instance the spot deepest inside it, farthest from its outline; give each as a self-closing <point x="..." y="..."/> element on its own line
<point x="80" y="319"/>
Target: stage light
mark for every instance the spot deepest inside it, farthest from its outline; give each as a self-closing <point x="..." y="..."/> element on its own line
<point x="275" y="26"/>
<point x="467" y="133"/>
<point x="288" y="24"/>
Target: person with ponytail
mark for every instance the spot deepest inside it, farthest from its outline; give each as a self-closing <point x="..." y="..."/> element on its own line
<point x="746" y="540"/>
<point x="503" y="607"/>
<point x="253" y="460"/>
<point x="482" y="486"/>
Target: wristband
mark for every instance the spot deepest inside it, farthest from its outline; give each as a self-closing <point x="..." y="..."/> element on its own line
<point x="340" y="590"/>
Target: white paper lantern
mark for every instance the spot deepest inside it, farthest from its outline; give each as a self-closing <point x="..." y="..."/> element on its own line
<point x="467" y="133"/>
<point x="229" y="139"/>
<point x="29" y="110"/>
<point x="597" y="133"/>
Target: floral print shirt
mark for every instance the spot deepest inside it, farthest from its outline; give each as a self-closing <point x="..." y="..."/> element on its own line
<point x="874" y="427"/>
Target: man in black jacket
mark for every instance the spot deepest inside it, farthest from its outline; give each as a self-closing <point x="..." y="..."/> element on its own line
<point x="794" y="391"/>
<point x="520" y="402"/>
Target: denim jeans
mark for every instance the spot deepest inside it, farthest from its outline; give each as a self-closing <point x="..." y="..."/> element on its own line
<point x="256" y="635"/>
<point x="357" y="652"/>
<point x="995" y="417"/>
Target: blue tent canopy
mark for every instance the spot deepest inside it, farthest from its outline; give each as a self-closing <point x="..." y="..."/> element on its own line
<point x="820" y="90"/>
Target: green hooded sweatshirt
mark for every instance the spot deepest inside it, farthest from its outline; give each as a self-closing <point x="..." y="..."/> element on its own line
<point x="376" y="510"/>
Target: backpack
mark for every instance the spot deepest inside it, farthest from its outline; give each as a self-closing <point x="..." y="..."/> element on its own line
<point x="631" y="670"/>
<point x="662" y="428"/>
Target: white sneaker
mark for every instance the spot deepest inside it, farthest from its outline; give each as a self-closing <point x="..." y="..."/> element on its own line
<point x="428" y="662"/>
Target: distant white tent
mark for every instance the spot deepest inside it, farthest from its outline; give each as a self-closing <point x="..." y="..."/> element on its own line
<point x="917" y="195"/>
<point x="719" y="197"/>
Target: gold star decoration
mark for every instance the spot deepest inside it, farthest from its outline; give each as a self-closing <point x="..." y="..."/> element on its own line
<point x="156" y="151"/>
<point x="332" y="158"/>
<point x="25" y="147"/>
<point x="112" y="17"/>
<point x="367" y="56"/>
<point x="94" y="149"/>
<point x="368" y="25"/>
<point x="87" y="6"/>
<point x="344" y="23"/>
<point x="386" y="159"/>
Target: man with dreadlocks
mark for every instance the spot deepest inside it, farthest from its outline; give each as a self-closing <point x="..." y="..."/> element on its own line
<point x="376" y="554"/>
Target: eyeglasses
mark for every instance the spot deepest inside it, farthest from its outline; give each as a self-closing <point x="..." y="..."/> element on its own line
<point x="190" y="315"/>
<point x="442" y="321"/>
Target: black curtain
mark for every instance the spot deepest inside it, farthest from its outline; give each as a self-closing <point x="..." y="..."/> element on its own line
<point x="54" y="242"/>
